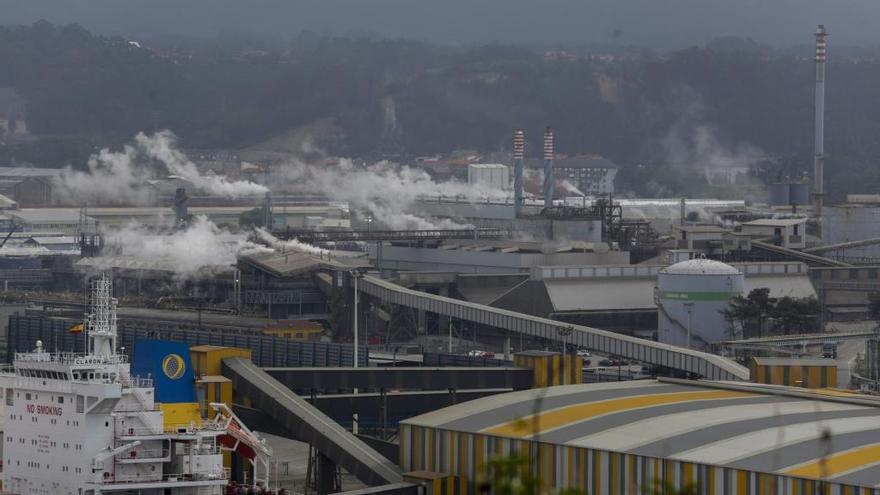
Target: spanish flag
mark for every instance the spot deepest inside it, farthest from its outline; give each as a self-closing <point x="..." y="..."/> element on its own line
<point x="78" y="328"/>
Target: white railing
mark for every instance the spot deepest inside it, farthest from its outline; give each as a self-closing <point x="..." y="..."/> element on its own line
<point x="219" y="475"/>
<point x="135" y="455"/>
<point x="70" y="358"/>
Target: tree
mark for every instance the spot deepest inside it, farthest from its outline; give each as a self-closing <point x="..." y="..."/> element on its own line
<point x="750" y="311"/>
<point x="787" y="314"/>
<point x="796" y="315"/>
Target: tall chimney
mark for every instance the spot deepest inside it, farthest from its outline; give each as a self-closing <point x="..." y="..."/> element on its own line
<point x="819" y="157"/>
<point x="549" y="182"/>
<point x="181" y="211"/>
<point x="267" y="212"/>
<point x="683" y="212"/>
<point x="519" y="146"/>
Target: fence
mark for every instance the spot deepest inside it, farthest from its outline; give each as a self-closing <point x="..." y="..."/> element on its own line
<point x="268" y="350"/>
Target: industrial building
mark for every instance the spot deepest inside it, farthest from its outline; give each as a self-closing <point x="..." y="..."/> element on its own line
<point x="619" y="437"/>
<point x="590" y="174"/>
<point x="856" y="220"/>
<point x="490" y="256"/>
<point x="786" y="232"/>
<point x="621" y="297"/>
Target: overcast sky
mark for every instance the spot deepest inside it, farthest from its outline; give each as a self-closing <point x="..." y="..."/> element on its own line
<point x="662" y="24"/>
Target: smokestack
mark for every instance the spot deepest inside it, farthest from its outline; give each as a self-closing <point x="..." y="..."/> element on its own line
<point x="519" y="146"/>
<point x="267" y="212"/>
<point x="181" y="211"/>
<point x="549" y="182"/>
<point x="819" y="157"/>
<point x="683" y="213"/>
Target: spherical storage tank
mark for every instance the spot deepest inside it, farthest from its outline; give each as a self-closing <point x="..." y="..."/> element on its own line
<point x="692" y="294"/>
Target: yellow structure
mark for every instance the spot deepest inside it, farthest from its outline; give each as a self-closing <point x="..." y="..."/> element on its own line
<point x="181" y="415"/>
<point x="436" y="483"/>
<point x="807" y="373"/>
<point x="207" y="359"/>
<point x="296" y="330"/>
<point x="548" y="367"/>
<point x="211" y="385"/>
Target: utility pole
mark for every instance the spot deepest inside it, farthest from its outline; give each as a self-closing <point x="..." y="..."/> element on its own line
<point x="565" y="332"/>
<point x="689" y="306"/>
<point x="355" y="275"/>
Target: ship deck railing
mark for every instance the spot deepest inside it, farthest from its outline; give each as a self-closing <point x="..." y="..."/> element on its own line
<point x="222" y="474"/>
<point x="134" y="455"/>
<point x="70" y="358"/>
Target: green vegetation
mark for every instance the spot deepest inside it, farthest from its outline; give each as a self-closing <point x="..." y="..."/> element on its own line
<point x="649" y="113"/>
<point x="758" y="314"/>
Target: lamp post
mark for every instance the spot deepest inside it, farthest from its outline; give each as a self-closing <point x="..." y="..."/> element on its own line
<point x="689" y="306"/>
<point x="565" y="332"/>
<point x="355" y="275"/>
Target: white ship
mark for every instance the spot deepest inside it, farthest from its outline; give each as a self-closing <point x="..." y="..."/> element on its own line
<point x="82" y="424"/>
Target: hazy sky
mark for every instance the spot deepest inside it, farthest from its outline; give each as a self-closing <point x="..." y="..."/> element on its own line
<point x="658" y="23"/>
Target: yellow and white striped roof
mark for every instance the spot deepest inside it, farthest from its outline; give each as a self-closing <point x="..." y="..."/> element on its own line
<point x="759" y="428"/>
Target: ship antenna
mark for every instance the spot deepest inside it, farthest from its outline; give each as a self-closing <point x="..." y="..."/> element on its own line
<point x="102" y="318"/>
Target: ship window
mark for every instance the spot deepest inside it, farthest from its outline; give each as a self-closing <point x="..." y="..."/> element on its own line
<point x="27" y="396"/>
<point x="80" y="403"/>
<point x="8" y="396"/>
<point x="60" y="399"/>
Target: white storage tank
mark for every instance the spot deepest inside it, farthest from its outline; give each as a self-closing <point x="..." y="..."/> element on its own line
<point x="690" y="296"/>
<point x="489" y="175"/>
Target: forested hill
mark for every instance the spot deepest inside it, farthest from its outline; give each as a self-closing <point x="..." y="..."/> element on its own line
<point x="659" y="111"/>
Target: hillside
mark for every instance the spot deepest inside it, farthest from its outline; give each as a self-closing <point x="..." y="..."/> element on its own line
<point x="661" y="116"/>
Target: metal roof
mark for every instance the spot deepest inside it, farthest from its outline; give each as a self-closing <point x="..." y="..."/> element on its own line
<point x="771" y="361"/>
<point x="17" y="172"/>
<point x="750" y="427"/>
<point x="776" y="222"/>
<point x="700" y="266"/>
<point x="294" y="263"/>
<point x="601" y="294"/>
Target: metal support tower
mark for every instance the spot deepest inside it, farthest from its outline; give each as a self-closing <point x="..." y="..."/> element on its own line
<point x="549" y="180"/>
<point x="819" y="157"/>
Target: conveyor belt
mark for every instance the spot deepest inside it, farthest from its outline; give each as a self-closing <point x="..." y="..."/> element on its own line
<point x="810" y="259"/>
<point x="698" y="363"/>
<point x="308" y="424"/>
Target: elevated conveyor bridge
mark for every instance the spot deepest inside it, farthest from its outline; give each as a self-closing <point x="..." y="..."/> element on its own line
<point x="694" y="362"/>
<point x="307" y="424"/>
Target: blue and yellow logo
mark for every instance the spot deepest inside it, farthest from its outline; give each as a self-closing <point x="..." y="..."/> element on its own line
<point x="173" y="366"/>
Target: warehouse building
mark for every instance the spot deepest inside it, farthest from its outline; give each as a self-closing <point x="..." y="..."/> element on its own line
<point x="616" y="438"/>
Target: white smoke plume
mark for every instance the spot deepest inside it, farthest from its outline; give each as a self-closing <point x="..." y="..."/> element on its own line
<point x="112" y="177"/>
<point x="569" y="187"/>
<point x="120" y="177"/>
<point x="202" y="248"/>
<point x="387" y="192"/>
<point x="162" y="146"/>
<point x="290" y="245"/>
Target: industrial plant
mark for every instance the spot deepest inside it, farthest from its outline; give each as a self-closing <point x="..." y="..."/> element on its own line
<point x="400" y="332"/>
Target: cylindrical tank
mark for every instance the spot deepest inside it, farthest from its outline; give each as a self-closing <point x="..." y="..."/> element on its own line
<point x="690" y="297"/>
<point x="779" y="194"/>
<point x="799" y="193"/>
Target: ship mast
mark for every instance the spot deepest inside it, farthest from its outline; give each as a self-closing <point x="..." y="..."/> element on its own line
<point x="101" y="321"/>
